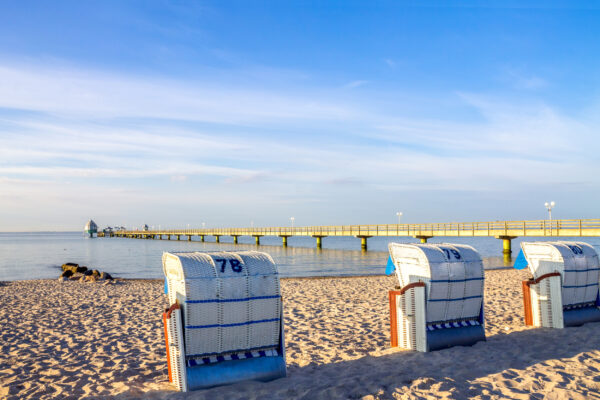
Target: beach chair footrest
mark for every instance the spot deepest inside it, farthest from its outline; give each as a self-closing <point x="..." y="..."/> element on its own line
<point x="464" y="336"/>
<point x="227" y="372"/>
<point x="580" y="316"/>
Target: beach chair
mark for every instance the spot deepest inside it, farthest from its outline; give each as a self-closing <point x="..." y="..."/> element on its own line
<point x="564" y="288"/>
<point x="439" y="302"/>
<point x="225" y="321"/>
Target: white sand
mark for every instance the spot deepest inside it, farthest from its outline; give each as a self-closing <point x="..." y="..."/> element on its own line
<point x="85" y="340"/>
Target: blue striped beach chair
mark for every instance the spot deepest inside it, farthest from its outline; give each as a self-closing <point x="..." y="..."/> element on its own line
<point x="225" y="321"/>
<point x="439" y="303"/>
<point x="564" y="288"/>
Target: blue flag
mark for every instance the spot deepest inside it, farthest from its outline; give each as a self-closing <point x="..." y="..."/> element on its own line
<point x="390" y="267"/>
<point x="166" y="287"/>
<point x="521" y="261"/>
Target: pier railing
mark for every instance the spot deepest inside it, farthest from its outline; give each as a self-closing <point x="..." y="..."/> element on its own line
<point x="561" y="227"/>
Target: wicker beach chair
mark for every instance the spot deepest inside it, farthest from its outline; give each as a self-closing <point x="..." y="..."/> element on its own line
<point x="564" y="288"/>
<point x="439" y="303"/>
<point x="225" y="321"/>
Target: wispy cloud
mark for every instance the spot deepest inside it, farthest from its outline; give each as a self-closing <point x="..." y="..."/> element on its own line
<point x="178" y="178"/>
<point x="390" y="63"/>
<point x="355" y="84"/>
<point x="267" y="149"/>
<point x="523" y="80"/>
<point x="73" y="92"/>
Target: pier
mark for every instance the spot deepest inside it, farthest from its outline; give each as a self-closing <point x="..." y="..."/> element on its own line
<point x="502" y="230"/>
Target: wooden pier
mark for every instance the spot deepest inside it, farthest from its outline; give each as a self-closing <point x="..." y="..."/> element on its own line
<point x="503" y="230"/>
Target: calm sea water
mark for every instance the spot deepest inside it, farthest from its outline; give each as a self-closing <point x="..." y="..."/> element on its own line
<point x="40" y="255"/>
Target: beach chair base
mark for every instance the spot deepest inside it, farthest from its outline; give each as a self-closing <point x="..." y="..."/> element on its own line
<point x="450" y="337"/>
<point x="227" y="372"/>
<point x="580" y="316"/>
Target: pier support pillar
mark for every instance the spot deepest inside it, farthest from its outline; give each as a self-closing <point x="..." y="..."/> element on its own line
<point x="257" y="238"/>
<point x="284" y="239"/>
<point x="189" y="238"/>
<point x="506" y="244"/>
<point x="506" y="247"/>
<point x="423" y="238"/>
<point x="363" y="242"/>
<point x="168" y="237"/>
<point x="217" y="238"/>
<point x="319" y="240"/>
<point x="202" y="238"/>
<point x="178" y="237"/>
<point x="235" y="239"/>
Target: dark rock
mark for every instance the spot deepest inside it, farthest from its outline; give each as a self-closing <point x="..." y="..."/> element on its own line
<point x="83" y="268"/>
<point x="66" y="273"/>
<point x="106" y="275"/>
<point x="87" y="272"/>
<point x="70" y="267"/>
<point x="96" y="273"/>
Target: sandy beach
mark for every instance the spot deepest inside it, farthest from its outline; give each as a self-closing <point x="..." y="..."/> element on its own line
<point x="76" y="340"/>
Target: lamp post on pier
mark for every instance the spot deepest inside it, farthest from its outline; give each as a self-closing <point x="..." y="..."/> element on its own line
<point x="399" y="214"/>
<point x="549" y="207"/>
<point x="292" y="219"/>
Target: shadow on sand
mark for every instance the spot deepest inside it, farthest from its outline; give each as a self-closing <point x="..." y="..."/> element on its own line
<point x="452" y="370"/>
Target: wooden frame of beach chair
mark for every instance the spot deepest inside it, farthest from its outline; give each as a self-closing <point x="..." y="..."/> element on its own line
<point x="174" y="343"/>
<point x="407" y="317"/>
<point x="542" y="301"/>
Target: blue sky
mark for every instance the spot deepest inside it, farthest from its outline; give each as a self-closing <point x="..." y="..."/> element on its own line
<point x="179" y="113"/>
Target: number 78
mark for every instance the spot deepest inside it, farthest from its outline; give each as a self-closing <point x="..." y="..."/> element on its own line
<point x="236" y="266"/>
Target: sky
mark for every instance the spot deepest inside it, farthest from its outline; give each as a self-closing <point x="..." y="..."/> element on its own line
<point x="178" y="113"/>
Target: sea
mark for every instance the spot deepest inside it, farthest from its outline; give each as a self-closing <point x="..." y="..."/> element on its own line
<point x="39" y="255"/>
